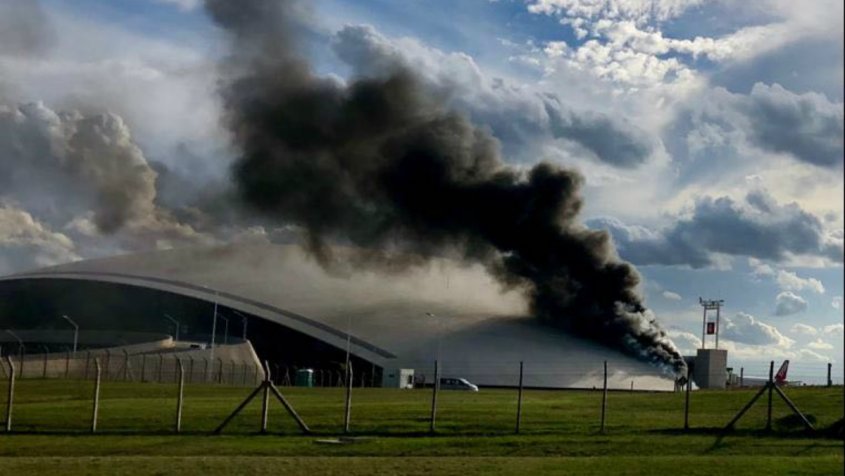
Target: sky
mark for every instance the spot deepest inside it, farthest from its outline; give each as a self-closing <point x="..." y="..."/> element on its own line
<point x="709" y="134"/>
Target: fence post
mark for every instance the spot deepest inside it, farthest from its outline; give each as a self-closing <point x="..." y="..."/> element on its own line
<point x="107" y="365"/>
<point x="143" y="367"/>
<point x="742" y="376"/>
<point x="232" y="372"/>
<point x="255" y="373"/>
<point x="67" y="364"/>
<point x="519" y="400"/>
<point x="21" y="352"/>
<point x="220" y="372"/>
<point x="604" y="398"/>
<point x="190" y="369"/>
<point x="160" y="367"/>
<point x="265" y="401"/>
<point x="10" y="397"/>
<point x="44" y="370"/>
<point x="181" y="375"/>
<point x="96" y="409"/>
<point x="829" y="379"/>
<point x="205" y="369"/>
<point x="87" y="362"/>
<point x="436" y="387"/>
<point x="348" y="407"/>
<point x="686" y="401"/>
<point x="771" y="384"/>
<point x="125" y="365"/>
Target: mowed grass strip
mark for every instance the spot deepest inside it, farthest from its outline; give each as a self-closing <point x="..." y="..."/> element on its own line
<point x="354" y="466"/>
<point x="475" y="432"/>
<point x="62" y="406"/>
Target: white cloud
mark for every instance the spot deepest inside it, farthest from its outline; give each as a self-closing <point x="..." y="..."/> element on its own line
<point x="746" y="329"/>
<point x="787" y="303"/>
<point x="759" y="268"/>
<point x="27" y="243"/>
<point x="165" y="90"/>
<point x="524" y="118"/>
<point x="790" y="281"/>
<point x="671" y="296"/>
<point x="640" y="11"/>
<point x="757" y="226"/>
<point x="686" y="342"/>
<point x="761" y="353"/>
<point x="836" y="302"/>
<point x="554" y="49"/>
<point x="183" y="5"/>
<point x="803" y="329"/>
<point x="807" y="354"/>
<point x="833" y="329"/>
<point x="819" y="344"/>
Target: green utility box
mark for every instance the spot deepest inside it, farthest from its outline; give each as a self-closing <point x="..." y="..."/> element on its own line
<point x="305" y="378"/>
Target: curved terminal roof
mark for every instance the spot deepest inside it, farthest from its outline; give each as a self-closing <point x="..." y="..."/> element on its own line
<point x="477" y="331"/>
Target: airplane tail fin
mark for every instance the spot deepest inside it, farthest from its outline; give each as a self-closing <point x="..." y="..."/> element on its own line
<point x="780" y="377"/>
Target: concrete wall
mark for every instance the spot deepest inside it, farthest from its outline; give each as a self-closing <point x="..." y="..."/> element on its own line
<point x="711" y="368"/>
<point x="234" y="364"/>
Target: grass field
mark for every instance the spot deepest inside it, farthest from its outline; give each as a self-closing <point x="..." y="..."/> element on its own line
<point x="475" y="432"/>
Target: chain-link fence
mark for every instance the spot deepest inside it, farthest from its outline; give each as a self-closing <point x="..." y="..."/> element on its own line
<point x="139" y="393"/>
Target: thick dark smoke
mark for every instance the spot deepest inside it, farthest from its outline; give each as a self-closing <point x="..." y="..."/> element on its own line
<point x="379" y="162"/>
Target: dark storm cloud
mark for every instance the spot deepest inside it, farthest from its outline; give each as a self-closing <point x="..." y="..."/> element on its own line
<point x="517" y="116"/>
<point x="807" y="126"/>
<point x="759" y="227"/>
<point x="383" y="162"/>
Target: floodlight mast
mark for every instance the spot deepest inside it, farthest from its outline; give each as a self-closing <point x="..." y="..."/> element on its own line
<point x="439" y="332"/>
<point x="75" y="332"/>
<point x="213" y="336"/>
<point x="348" y="377"/>
<point x="244" y="319"/>
<point x="710" y="305"/>
<point x="225" y="329"/>
<point x="348" y="337"/>
<point x="20" y="343"/>
<point x="175" y="322"/>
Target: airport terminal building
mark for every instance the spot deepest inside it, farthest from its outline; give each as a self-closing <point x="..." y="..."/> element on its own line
<point x="276" y="303"/>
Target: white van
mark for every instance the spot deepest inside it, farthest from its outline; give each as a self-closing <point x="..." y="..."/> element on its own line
<point x="447" y="383"/>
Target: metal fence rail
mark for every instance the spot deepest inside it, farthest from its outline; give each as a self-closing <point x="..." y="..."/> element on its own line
<point x="103" y="370"/>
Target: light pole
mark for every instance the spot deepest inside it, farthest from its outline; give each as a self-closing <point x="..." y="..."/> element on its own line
<point x="20" y="348"/>
<point x="75" y="332"/>
<point x="348" y="337"/>
<point x="439" y="332"/>
<point x="348" y="406"/>
<point x="174" y="321"/>
<point x="225" y="330"/>
<point x="243" y="317"/>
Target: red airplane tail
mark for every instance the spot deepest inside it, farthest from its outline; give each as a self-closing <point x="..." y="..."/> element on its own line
<point x="780" y="377"/>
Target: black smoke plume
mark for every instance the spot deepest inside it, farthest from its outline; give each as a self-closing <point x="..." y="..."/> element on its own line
<point x="381" y="162"/>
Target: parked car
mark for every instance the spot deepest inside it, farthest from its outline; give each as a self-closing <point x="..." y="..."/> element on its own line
<point x="448" y="383"/>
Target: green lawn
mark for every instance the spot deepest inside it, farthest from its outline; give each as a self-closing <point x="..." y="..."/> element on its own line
<point x="475" y="432"/>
